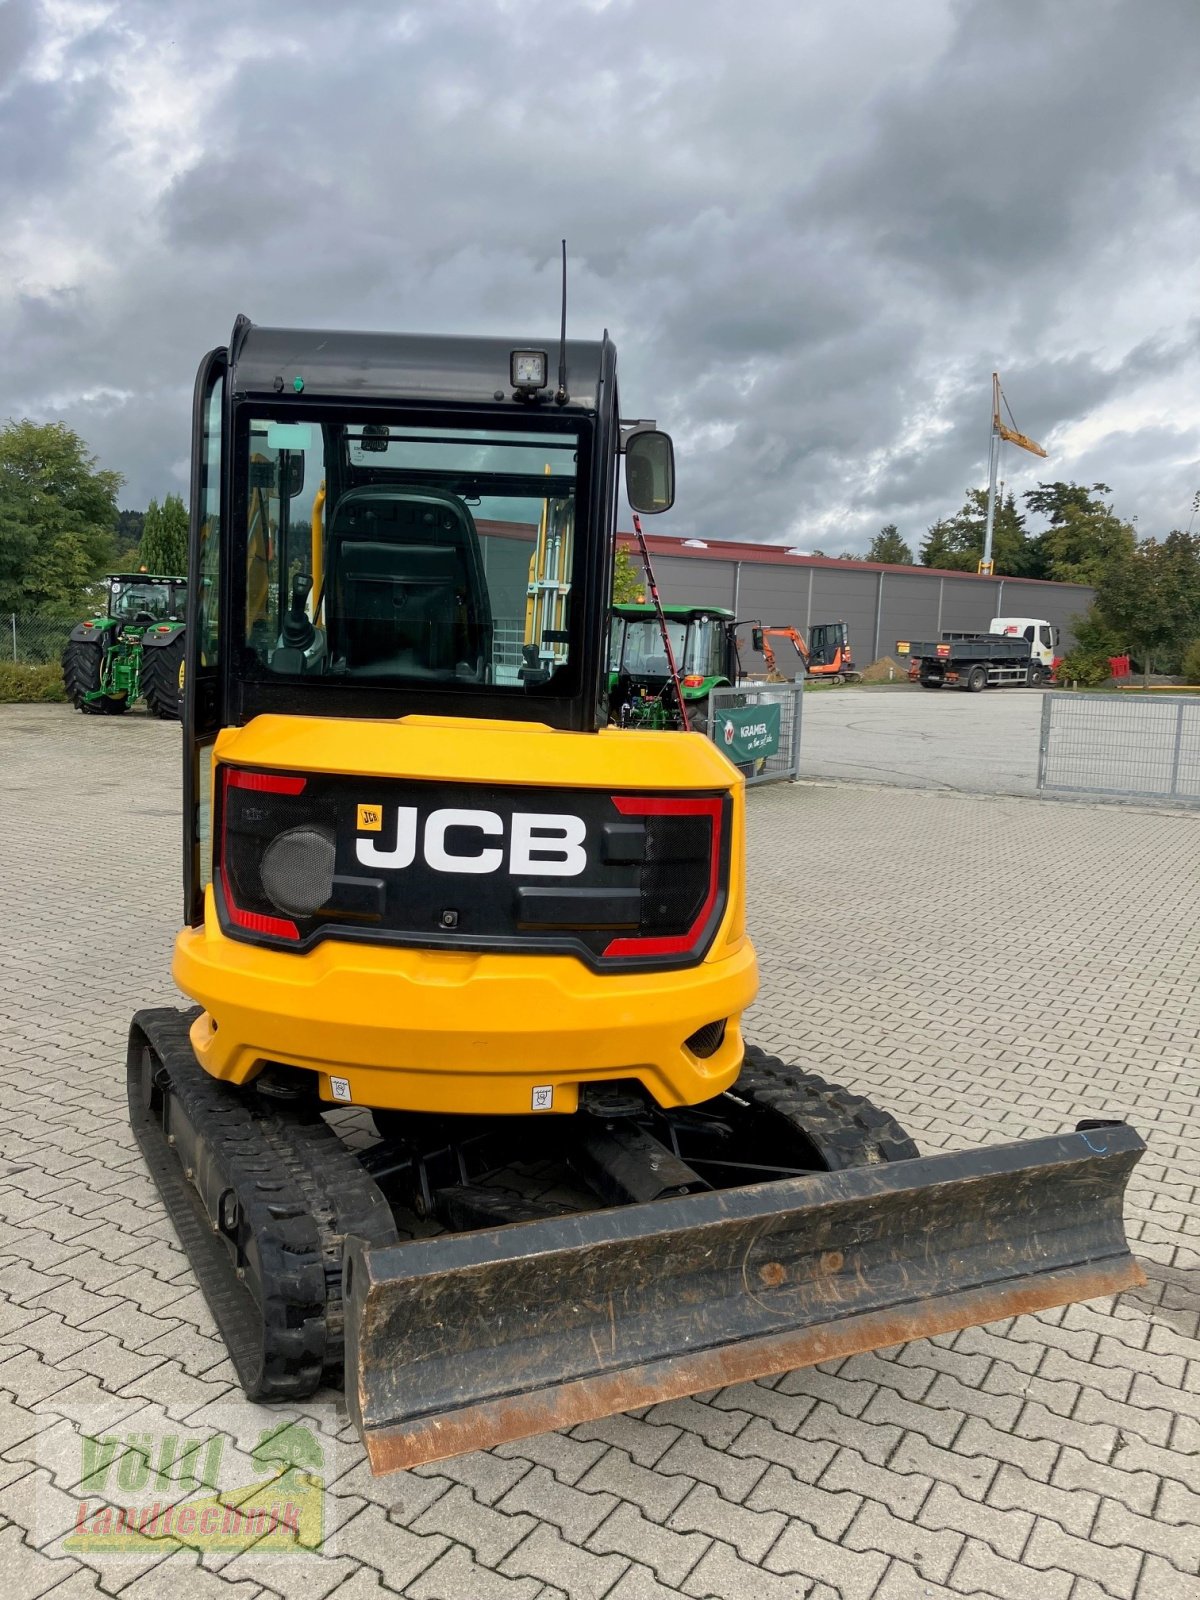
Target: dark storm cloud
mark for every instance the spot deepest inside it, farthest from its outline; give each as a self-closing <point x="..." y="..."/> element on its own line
<point x="812" y="230"/>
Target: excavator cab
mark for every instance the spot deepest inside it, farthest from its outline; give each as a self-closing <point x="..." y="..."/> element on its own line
<point x="828" y="646"/>
<point x="425" y="878"/>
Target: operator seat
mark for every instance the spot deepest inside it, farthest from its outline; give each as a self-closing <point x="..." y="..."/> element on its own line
<point x="407" y="593"/>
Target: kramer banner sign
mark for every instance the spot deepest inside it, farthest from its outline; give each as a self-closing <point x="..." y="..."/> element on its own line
<point x="750" y="733"/>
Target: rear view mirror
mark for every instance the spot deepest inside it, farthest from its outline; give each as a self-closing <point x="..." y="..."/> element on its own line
<point x="756" y="639"/>
<point x="650" y="471"/>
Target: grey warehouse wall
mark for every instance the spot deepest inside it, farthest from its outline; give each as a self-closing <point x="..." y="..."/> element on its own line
<point x="878" y="607"/>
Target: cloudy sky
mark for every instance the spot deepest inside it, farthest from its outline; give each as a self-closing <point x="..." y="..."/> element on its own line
<point x="812" y="226"/>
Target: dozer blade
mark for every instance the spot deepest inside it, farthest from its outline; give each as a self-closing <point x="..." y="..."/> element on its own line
<point x="460" y="1342"/>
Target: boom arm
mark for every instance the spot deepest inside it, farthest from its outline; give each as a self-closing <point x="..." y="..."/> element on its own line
<point x="762" y="636"/>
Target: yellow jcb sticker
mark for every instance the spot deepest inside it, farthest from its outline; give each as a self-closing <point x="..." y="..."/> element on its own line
<point x="370" y="819"/>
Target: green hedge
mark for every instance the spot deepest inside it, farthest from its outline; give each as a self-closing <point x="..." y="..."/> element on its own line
<point x="21" y="682"/>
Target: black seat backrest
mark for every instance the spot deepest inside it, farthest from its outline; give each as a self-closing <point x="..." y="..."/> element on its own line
<point x="397" y="598"/>
<point x="407" y="594"/>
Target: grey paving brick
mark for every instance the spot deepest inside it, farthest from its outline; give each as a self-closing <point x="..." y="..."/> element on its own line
<point x="307" y="1578"/>
<point x="925" y="1358"/>
<point x="1151" y="1424"/>
<point x="1017" y="1386"/>
<point x="902" y="1492"/>
<point x="669" y="1553"/>
<point x="1114" y="1568"/>
<point x="1113" y="1380"/>
<point x="1006" y="1531"/>
<point x="721" y="1574"/>
<point x="1159" y="1580"/>
<point x="81" y="1585"/>
<point x="980" y="1571"/>
<point x="488" y="1532"/>
<point x="639" y="1583"/>
<point x="932" y="1551"/>
<point x="806" y="1458"/>
<point x="734" y="1476"/>
<point x="902" y="1582"/>
<point x="718" y="1426"/>
<point x="874" y="1440"/>
<point x="855" y="1575"/>
<point x="456" y="1575"/>
<point x="180" y="1577"/>
<point x="24" y="1571"/>
<point x="1177" y="1542"/>
<point x="574" y="1512"/>
<point x="365" y="1584"/>
<point x="547" y="1555"/>
<point x="1095" y="1438"/>
<point x="568" y="1458"/>
<point x="653" y="1493"/>
<point x="915" y="1456"/>
<point x="784" y="1411"/>
<point x="1137" y="1490"/>
<point x="486" y="1476"/>
<point x="644" y="1442"/>
<point x="1073" y="1509"/>
<point x="752" y="1533"/>
<point x="829" y="1513"/>
<point x="845" y="1394"/>
<point x="938" y="1417"/>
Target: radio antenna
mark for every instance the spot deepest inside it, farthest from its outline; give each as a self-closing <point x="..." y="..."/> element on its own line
<point x="561" y="397"/>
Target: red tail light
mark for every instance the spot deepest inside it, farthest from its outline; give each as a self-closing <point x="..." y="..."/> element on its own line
<point x="708" y="809"/>
<point x="262" y="783"/>
<point x="692" y="681"/>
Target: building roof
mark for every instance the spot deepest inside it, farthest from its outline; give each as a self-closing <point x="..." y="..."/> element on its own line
<point x="662" y="544"/>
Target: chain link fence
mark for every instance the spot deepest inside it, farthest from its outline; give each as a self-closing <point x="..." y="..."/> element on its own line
<point x="35" y="640"/>
<point x="758" y="728"/>
<point x="1121" y="745"/>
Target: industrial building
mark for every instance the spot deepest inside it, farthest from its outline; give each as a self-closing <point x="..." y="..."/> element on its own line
<point x="878" y="603"/>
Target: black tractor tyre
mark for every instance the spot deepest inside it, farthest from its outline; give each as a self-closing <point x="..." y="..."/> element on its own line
<point x="846" y="1130"/>
<point x="977" y="680"/>
<point x="161" y="666"/>
<point x="81" y="662"/>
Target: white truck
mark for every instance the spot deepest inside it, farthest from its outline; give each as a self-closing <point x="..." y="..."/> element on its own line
<point x="1015" y="652"/>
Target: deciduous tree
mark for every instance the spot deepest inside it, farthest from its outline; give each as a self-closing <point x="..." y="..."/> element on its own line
<point x="1084" y="539"/>
<point x="58" y="510"/>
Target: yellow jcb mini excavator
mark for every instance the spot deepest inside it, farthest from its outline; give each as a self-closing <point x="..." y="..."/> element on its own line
<point x="426" y="882"/>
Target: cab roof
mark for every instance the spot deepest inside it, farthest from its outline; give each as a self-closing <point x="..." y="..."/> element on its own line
<point x="420" y="367"/>
<point x="636" y="613"/>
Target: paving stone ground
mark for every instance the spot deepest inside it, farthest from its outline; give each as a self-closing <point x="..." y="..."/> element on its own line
<point x="988" y="968"/>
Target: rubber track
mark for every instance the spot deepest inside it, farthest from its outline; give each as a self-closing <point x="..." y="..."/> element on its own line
<point x="847" y="1129"/>
<point x="299" y="1191"/>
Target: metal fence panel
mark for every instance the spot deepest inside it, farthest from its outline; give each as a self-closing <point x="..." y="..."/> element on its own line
<point x="789" y="697"/>
<point x="35" y="640"/>
<point x="1117" y="744"/>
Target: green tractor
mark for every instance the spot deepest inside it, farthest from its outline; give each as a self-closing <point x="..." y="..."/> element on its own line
<point x="640" y="694"/>
<point x="134" y="650"/>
